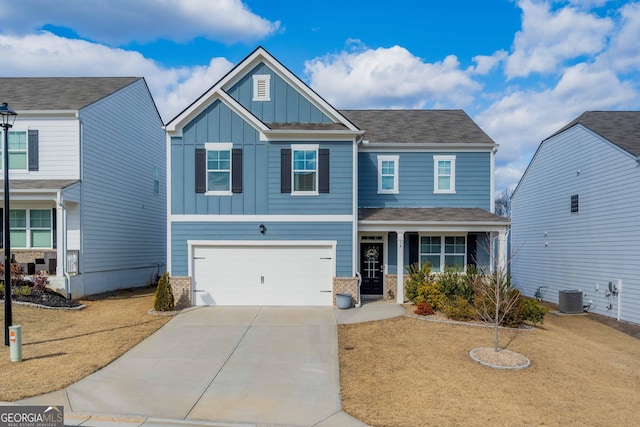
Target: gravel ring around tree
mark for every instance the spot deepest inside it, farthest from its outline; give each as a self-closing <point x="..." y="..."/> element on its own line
<point x="502" y="359"/>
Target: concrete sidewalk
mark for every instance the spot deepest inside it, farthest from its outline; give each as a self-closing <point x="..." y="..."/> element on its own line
<point x="224" y="366"/>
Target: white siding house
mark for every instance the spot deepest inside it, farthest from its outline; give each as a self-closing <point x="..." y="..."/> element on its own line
<point x="575" y="215"/>
<point x="88" y="206"/>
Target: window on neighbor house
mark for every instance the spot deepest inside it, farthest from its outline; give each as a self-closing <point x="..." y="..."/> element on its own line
<point x="218" y="168"/>
<point x="156" y="180"/>
<point x="305" y="170"/>
<point x="262" y="87"/>
<point x="388" y="174"/>
<point x="444" y="179"/>
<point x="31" y="228"/>
<point x="451" y="254"/>
<point x="17" y="151"/>
<point x="575" y="203"/>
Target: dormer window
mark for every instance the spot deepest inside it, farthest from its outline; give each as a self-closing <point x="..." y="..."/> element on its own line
<point x="262" y="87"/>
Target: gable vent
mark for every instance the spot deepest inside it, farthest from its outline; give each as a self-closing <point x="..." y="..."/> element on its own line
<point x="261" y="87"/>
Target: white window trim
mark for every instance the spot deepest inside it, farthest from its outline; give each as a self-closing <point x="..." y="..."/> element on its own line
<point x="20" y="171"/>
<point x="219" y="146"/>
<point x="28" y="229"/>
<point x="396" y="173"/>
<point x="266" y="78"/>
<point x="304" y="147"/>
<point x="437" y="159"/>
<point x="442" y="249"/>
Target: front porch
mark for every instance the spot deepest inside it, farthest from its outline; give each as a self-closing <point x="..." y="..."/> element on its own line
<point x="391" y="239"/>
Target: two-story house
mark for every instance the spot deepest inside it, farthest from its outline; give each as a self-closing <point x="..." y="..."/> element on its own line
<point x="87" y="181"/>
<point x="277" y="198"/>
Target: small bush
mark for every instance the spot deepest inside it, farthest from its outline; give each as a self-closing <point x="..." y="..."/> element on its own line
<point x="417" y="276"/>
<point x="459" y="309"/>
<point x="453" y="284"/>
<point x="40" y="282"/>
<point x="430" y="292"/>
<point x="24" y="291"/>
<point x="164" y="295"/>
<point x="534" y="312"/>
<point x="424" y="309"/>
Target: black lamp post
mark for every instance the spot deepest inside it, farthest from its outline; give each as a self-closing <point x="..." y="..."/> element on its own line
<point x="8" y="118"/>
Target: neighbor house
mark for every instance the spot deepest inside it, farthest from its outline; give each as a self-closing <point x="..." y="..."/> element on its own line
<point x="87" y="181"/>
<point x="575" y="215"/>
<point x="277" y="198"/>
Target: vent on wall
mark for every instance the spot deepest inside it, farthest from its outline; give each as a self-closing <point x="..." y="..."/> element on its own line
<point x="570" y="302"/>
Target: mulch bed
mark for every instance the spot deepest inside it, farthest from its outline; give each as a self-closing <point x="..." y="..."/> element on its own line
<point x="47" y="298"/>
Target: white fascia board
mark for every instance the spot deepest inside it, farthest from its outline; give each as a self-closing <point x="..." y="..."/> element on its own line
<point x="261" y="218"/>
<point x="325" y="135"/>
<point x="175" y="127"/>
<point x="322" y="243"/>
<point x="261" y="55"/>
<point x="34" y="113"/>
<point x="368" y="226"/>
<point x="431" y="147"/>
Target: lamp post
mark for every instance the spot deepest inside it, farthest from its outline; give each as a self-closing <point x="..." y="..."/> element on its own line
<point x="8" y="118"/>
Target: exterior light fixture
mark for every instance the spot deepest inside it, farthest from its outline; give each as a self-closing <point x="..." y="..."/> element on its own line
<point x="8" y="119"/>
<point x="262" y="228"/>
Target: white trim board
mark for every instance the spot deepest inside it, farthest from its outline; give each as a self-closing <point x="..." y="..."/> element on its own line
<point x="261" y="218"/>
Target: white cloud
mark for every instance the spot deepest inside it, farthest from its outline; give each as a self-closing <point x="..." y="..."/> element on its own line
<point x="624" y="52"/>
<point x="548" y="38"/>
<point x="389" y="77"/>
<point x="46" y="54"/>
<point x="485" y="64"/>
<point x="118" y="22"/>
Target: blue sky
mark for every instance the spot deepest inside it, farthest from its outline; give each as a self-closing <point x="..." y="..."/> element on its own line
<point x="520" y="68"/>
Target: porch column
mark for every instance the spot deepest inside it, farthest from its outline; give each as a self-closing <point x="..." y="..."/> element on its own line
<point x="400" y="268"/>
<point x="502" y="251"/>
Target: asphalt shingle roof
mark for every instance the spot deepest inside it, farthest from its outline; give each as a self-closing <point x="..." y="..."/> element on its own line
<point x="58" y="93"/>
<point x="417" y="126"/>
<point x="446" y="215"/>
<point x="620" y="127"/>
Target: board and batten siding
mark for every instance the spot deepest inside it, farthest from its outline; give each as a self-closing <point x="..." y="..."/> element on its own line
<point x="123" y="220"/>
<point x="181" y="232"/>
<point x="58" y="147"/>
<point x="287" y="105"/>
<point x="416" y="177"/>
<point x="551" y="246"/>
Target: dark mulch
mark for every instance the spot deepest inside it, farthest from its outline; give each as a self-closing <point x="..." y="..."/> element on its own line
<point x="46" y="298"/>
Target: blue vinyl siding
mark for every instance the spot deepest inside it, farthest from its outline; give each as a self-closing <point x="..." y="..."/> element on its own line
<point x="415" y="180"/>
<point x="287" y="105"/>
<point x="340" y="232"/>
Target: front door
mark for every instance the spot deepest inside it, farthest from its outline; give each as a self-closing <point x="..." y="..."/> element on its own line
<point x="371" y="268"/>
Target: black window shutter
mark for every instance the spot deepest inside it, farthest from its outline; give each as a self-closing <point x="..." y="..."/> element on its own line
<point x="285" y="170"/>
<point x="414" y="248"/>
<point x="33" y="150"/>
<point x="54" y="227"/>
<point x="236" y="170"/>
<point x="323" y="170"/>
<point x="1" y="228"/>
<point x="472" y="249"/>
<point x="201" y="170"/>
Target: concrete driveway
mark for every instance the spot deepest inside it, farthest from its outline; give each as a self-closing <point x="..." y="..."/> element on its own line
<point x="265" y="365"/>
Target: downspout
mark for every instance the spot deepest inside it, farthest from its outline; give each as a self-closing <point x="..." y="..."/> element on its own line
<point x="65" y="273"/>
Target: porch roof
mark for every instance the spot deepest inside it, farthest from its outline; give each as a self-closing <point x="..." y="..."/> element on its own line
<point x="38" y="184"/>
<point x="423" y="216"/>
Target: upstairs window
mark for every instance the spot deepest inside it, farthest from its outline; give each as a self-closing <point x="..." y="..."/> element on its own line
<point x="388" y="174"/>
<point x="305" y="170"/>
<point x="156" y="180"/>
<point x="262" y="87"/>
<point x="218" y="169"/>
<point x="575" y="203"/>
<point x="444" y="179"/>
<point x="17" y="151"/>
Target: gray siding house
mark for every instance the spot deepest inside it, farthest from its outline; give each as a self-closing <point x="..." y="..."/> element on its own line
<point x="575" y="215"/>
<point x="87" y="181"/>
<point x="277" y="198"/>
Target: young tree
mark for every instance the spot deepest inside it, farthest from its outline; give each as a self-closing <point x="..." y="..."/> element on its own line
<point x="503" y="203"/>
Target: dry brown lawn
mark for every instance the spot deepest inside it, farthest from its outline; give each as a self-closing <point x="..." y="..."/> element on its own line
<point x="411" y="372"/>
<point x="61" y="347"/>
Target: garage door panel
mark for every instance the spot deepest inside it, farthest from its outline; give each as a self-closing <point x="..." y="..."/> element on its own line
<point x="263" y="275"/>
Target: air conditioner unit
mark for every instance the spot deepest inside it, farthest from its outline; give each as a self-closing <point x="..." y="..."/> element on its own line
<point x="570" y="301"/>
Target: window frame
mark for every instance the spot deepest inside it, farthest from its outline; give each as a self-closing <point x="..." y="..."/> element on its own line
<point x="304" y="147"/>
<point x="25" y="151"/>
<point x="381" y="174"/>
<point x="257" y="79"/>
<point x="218" y="146"/>
<point x="156" y="180"/>
<point x="451" y="175"/>
<point x="443" y="250"/>
<point x="575" y="203"/>
<point x="28" y="229"/>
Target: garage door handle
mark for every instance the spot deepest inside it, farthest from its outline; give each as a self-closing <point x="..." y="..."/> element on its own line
<point x="325" y="258"/>
<point x="326" y="291"/>
<point x="196" y="290"/>
<point x="199" y="257"/>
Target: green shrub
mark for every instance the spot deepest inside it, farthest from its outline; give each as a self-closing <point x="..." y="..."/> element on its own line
<point x="417" y="276"/>
<point x="164" y="295"/>
<point x="496" y="286"/>
<point x="534" y="311"/>
<point x="459" y="308"/>
<point x="424" y="309"/>
<point x="23" y="291"/>
<point x="430" y="292"/>
<point x="453" y="284"/>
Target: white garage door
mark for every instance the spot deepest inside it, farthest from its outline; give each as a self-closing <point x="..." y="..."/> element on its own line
<point x="231" y="274"/>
